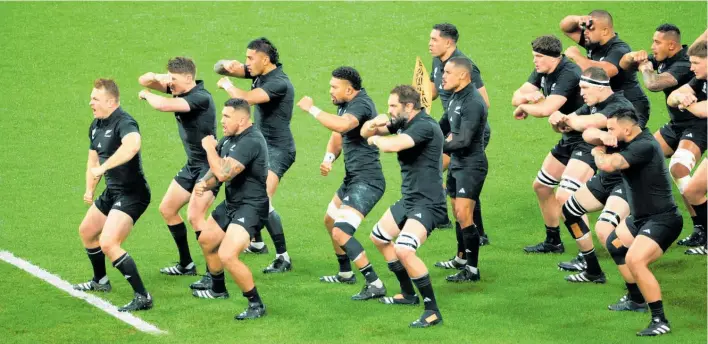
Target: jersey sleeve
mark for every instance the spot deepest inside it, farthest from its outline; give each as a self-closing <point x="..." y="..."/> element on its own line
<point x="615" y="54"/>
<point x="91" y="129"/>
<point x="275" y="88"/>
<point x="583" y="110"/>
<point x="566" y="84"/>
<point x="638" y="153"/>
<point x="126" y="127"/>
<point x="471" y="120"/>
<point x="477" y="77"/>
<point x="616" y="107"/>
<point x="197" y="101"/>
<point x="695" y="85"/>
<point x="360" y="111"/>
<point x="420" y="132"/>
<point x="535" y="79"/>
<point x="679" y="70"/>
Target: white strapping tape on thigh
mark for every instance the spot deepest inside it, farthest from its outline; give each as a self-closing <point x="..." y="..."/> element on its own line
<point x="348" y="216"/>
<point x="377" y="231"/>
<point x="407" y="241"/>
<point x="270" y="206"/>
<point x="684" y="157"/>
<point x="332" y="210"/>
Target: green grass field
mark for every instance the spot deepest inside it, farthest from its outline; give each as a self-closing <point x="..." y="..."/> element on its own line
<point x="52" y="51"/>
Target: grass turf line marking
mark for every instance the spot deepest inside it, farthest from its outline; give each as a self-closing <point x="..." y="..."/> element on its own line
<point x="100" y="303"/>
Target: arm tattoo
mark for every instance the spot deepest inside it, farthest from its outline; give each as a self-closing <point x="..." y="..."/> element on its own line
<point x="231" y="168"/>
<point x="208" y="177"/>
<point x="658" y="82"/>
<point x="618" y="162"/>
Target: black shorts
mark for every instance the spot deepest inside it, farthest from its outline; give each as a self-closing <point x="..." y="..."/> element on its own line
<point x="642" y="108"/>
<point x="190" y="174"/>
<point x="663" y="228"/>
<point x="563" y="150"/>
<point x="465" y="183"/>
<point x="603" y="185"/>
<point x="247" y="216"/>
<point x="694" y="131"/>
<point x="583" y="152"/>
<point x="279" y="160"/>
<point x="133" y="202"/>
<point x="361" y="195"/>
<point x="431" y="217"/>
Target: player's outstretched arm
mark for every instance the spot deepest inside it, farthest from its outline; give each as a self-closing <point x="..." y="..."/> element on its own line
<point x="582" y="123"/>
<point x="334" y="148"/>
<point x="584" y="63"/>
<point x="541" y="109"/>
<point x="154" y="81"/>
<point x="682" y="97"/>
<point x="599" y="137"/>
<point x="164" y="104"/>
<point x="340" y="124"/>
<point x="392" y="144"/>
<point x="527" y="93"/>
<point x="699" y="109"/>
<point x="608" y="162"/>
<point x="571" y="26"/>
<point x="253" y="97"/>
<point x="632" y="59"/>
<point x="376" y="126"/>
<point x="656" y="82"/>
<point x="230" y="68"/>
<point x="130" y="145"/>
<point x="91" y="180"/>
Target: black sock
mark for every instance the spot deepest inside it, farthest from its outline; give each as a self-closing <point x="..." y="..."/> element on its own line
<point x="471" y="245"/>
<point x="218" y="284"/>
<point x="460" y="241"/>
<point x="593" y="264"/>
<point x="179" y="233"/>
<point x="98" y="262"/>
<point x="694" y="219"/>
<point x="553" y="235"/>
<point x="344" y="264"/>
<point x="197" y="234"/>
<point x="126" y="265"/>
<point x="634" y="293"/>
<point x="369" y="273"/>
<point x="657" y="310"/>
<point x="275" y="229"/>
<point x="402" y="275"/>
<point x="426" y="290"/>
<point x="701" y="218"/>
<point x="252" y="296"/>
<point x="477" y="217"/>
<point x="258" y="237"/>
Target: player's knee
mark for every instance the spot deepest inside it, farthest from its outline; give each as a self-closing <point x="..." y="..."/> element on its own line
<point x="227" y="255"/>
<point x="544" y="182"/>
<point x="379" y="236"/>
<point x="603" y="230"/>
<point x="570" y="185"/>
<point x="406" y="246"/>
<point x="572" y="210"/>
<point x="195" y="220"/>
<point x="694" y="194"/>
<point x="617" y="250"/>
<point x="353" y="249"/>
<point x="109" y="245"/>
<point x="463" y="214"/>
<point x="87" y="231"/>
<point x="167" y="211"/>
<point x="680" y="166"/>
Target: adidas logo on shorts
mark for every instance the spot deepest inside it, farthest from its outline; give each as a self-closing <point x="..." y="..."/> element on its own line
<point x="689" y="135"/>
<point x="241" y="219"/>
<point x="462" y="190"/>
<point x="648" y="231"/>
<point x="117" y="204"/>
<point x="346" y="198"/>
<point x="419" y="215"/>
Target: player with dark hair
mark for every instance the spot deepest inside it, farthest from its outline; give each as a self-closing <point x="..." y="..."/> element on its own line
<point x="273" y="98"/>
<point x="240" y="161"/>
<point x="595" y="32"/>
<point x="195" y="113"/>
<point x="655" y="221"/>
<point x="419" y="145"/>
<point x="443" y="46"/>
<point x="114" y="152"/>
<point x="553" y="87"/>
<point x="364" y="182"/>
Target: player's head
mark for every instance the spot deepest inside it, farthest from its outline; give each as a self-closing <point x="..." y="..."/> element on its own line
<point x="260" y="54"/>
<point x="403" y="102"/>
<point x="443" y="37"/>
<point x="622" y="124"/>
<point x="546" y="53"/>
<point x="458" y="72"/>
<point x="182" y="72"/>
<point x="595" y="85"/>
<point x="697" y="56"/>
<point x="666" y="41"/>
<point x="601" y="28"/>
<point x="236" y="116"/>
<point x="344" y="85"/>
<point x="105" y="98"/>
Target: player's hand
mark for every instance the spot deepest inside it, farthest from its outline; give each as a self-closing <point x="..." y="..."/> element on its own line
<point x="556" y="118"/>
<point x="687" y="100"/>
<point x="325" y="168"/>
<point x="200" y="187"/>
<point x="448" y="138"/>
<point x="597" y="150"/>
<point x="209" y="142"/>
<point x="640" y="56"/>
<point x="584" y="20"/>
<point x="564" y="128"/>
<point x="519" y="113"/>
<point x="573" y="52"/>
<point x="224" y="83"/>
<point x="232" y="65"/>
<point x="609" y="140"/>
<point x="142" y="94"/>
<point x="372" y="140"/>
<point x="534" y="97"/>
<point x="88" y="197"/>
<point x="97" y="172"/>
<point x="645" y="66"/>
<point x="305" y="103"/>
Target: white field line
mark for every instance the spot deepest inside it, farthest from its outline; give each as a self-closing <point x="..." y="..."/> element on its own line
<point x="100" y="303"/>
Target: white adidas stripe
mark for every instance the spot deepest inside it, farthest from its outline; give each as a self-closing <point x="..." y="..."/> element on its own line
<point x="100" y="303"/>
